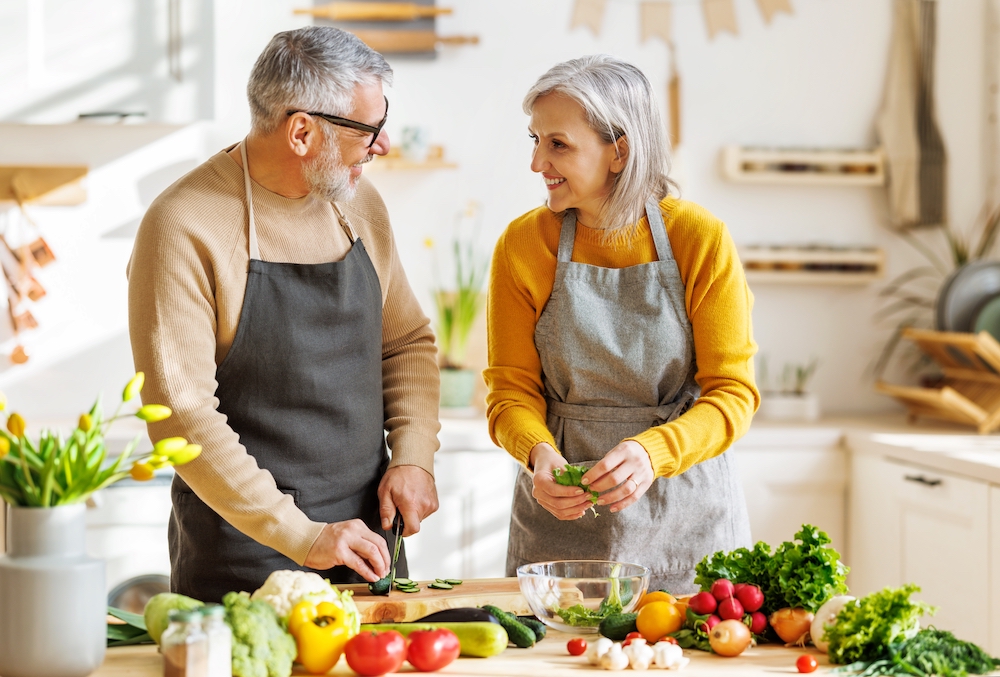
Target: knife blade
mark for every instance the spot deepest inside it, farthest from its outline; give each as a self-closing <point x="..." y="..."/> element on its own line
<point x="383" y="586"/>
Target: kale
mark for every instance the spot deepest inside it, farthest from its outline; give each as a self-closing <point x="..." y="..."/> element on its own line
<point x="929" y="652"/>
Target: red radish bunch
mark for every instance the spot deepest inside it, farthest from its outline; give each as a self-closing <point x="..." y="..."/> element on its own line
<point x="725" y="601"/>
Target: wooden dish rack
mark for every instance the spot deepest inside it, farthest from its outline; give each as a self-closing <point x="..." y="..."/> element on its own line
<point x="970" y="391"/>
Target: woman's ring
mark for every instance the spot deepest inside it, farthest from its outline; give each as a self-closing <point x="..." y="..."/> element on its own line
<point x="636" y="488"/>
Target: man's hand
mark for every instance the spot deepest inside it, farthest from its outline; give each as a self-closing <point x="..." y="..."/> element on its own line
<point x="353" y="544"/>
<point x="625" y="473"/>
<point x="411" y="490"/>
<point x="565" y="503"/>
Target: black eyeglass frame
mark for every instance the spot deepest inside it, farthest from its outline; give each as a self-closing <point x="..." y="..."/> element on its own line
<point x="346" y="122"/>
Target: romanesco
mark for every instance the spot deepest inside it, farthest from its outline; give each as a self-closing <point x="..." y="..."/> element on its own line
<point x="261" y="645"/>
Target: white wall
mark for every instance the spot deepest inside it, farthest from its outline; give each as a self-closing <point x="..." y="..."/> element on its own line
<point x="812" y="79"/>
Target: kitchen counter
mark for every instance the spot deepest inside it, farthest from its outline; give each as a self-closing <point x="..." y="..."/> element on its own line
<point x="548" y="658"/>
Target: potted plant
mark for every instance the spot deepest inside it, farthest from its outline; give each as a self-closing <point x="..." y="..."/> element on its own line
<point x="48" y="584"/>
<point x="458" y="304"/>
<point x="789" y="400"/>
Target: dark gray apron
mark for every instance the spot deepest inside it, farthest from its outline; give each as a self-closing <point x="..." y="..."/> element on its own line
<point x="617" y="358"/>
<point x="302" y="387"/>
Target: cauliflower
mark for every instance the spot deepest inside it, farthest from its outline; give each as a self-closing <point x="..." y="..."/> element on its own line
<point x="261" y="646"/>
<point x="285" y="588"/>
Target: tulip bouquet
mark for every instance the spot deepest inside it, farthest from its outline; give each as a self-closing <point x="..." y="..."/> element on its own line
<point x="56" y="471"/>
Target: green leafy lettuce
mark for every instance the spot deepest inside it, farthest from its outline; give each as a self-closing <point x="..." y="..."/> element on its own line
<point x="866" y="628"/>
<point x="572" y="476"/>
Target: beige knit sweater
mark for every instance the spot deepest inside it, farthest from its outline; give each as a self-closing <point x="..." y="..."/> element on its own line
<point x="187" y="277"/>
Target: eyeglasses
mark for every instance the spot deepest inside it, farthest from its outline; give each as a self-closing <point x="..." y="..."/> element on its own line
<point x="353" y="124"/>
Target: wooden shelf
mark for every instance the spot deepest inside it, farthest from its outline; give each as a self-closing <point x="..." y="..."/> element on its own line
<point x="816" y="167"/>
<point x="812" y="264"/>
<point x="42" y="185"/>
<point x="396" y="161"/>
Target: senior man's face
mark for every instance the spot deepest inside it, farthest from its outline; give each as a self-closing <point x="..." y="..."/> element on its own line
<point x="332" y="173"/>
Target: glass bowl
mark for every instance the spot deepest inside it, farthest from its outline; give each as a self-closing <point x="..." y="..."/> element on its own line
<point x="568" y="594"/>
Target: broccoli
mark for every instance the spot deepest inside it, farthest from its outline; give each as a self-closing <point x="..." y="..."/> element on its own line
<point x="261" y="645"/>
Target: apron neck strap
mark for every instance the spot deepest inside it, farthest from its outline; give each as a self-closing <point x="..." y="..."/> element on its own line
<point x="659" y="230"/>
<point x="254" y="247"/>
<point x="344" y="223"/>
<point x="567" y="236"/>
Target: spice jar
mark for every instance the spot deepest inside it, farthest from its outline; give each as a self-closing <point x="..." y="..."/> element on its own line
<point x="220" y="640"/>
<point x="184" y="646"/>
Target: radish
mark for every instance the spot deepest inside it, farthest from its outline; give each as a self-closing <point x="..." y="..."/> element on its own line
<point x="738" y="587"/>
<point x="758" y="623"/>
<point x="730" y="609"/>
<point x="703" y="603"/>
<point x="750" y="597"/>
<point x="710" y="623"/>
<point x="722" y="589"/>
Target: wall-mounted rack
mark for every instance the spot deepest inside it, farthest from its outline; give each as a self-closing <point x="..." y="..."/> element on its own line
<point x="804" y="166"/>
<point x="812" y="264"/>
<point x="43" y="185"/>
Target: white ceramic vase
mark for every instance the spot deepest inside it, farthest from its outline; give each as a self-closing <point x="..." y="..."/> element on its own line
<point x="53" y="601"/>
<point x="788" y="407"/>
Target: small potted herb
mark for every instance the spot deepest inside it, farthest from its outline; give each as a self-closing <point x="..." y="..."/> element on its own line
<point x="788" y="400"/>
<point x="458" y="305"/>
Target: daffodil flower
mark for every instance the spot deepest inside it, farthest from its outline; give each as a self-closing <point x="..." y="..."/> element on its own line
<point x="151" y="413"/>
<point x="134" y="386"/>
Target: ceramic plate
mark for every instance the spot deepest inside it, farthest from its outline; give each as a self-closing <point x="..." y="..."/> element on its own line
<point x="964" y="292"/>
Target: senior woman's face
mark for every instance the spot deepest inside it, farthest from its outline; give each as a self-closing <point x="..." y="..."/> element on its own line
<point x="578" y="167"/>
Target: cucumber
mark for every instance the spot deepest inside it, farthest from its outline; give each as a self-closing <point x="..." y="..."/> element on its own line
<point x="477" y="639"/>
<point x="536" y="626"/>
<point x="379" y="587"/>
<point x="616" y="626"/>
<point x="403" y="581"/>
<point x="453" y="581"/>
<point x="520" y="634"/>
<point x="440" y="586"/>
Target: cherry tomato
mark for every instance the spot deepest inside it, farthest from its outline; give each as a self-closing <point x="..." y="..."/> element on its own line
<point x="376" y="653"/>
<point x="629" y="637"/>
<point x="576" y="646"/>
<point x="431" y="650"/>
<point x="668" y="639"/>
<point x="806" y="663"/>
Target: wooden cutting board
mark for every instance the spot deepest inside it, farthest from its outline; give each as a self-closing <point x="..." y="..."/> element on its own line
<point x="402" y="607"/>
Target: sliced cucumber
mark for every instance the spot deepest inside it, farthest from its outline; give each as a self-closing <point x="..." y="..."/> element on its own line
<point x="440" y="586"/>
<point x="453" y="581"/>
<point x="403" y="581"/>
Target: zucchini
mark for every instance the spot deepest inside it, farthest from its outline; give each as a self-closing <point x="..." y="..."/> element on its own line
<point x="460" y="615"/>
<point x="536" y="626"/>
<point x="617" y="626"/>
<point x="520" y="634"/>
<point x="477" y="639"/>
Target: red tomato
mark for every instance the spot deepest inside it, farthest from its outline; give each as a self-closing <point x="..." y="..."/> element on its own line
<point x="806" y="663"/>
<point x="630" y="636"/>
<point x="431" y="650"/>
<point x="668" y="639"/>
<point x="376" y="653"/>
<point x="576" y="646"/>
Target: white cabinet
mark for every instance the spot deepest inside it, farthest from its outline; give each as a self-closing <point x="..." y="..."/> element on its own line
<point x="918" y="525"/>
<point x="467" y="536"/>
<point x="793" y="477"/>
<point x="994" y="647"/>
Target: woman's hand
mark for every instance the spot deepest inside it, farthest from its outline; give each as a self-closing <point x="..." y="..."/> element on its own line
<point x="625" y="473"/>
<point x="565" y="503"/>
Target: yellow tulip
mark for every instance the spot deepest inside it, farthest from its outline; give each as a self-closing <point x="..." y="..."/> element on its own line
<point x="157" y="461"/>
<point x="134" y="386"/>
<point x="185" y="455"/>
<point x="16" y="425"/>
<point x="151" y="413"/>
<point x="3" y="401"/>
<point x="169" y="445"/>
<point x="429" y="243"/>
<point x="4" y="447"/>
<point x="141" y="472"/>
<point x="85" y="423"/>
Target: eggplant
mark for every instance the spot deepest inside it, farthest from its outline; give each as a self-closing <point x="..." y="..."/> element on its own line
<point x="460" y="615"/>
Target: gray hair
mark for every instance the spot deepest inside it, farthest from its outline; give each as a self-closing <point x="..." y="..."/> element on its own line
<point x="315" y="69"/>
<point x="618" y="101"/>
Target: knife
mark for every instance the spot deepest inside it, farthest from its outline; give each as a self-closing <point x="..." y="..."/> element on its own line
<point x="384" y="585"/>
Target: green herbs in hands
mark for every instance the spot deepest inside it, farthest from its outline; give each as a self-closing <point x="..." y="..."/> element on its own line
<point x="572" y="476"/>
<point x="866" y="628"/>
<point x="55" y="471"/>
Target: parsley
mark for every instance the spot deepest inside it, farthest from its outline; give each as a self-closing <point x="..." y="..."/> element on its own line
<point x="571" y="476"/>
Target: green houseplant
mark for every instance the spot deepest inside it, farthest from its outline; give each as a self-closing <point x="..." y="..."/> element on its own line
<point x="48" y="583"/>
<point x="458" y="304"/>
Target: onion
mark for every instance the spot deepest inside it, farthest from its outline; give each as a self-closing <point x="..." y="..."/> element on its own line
<point x="730" y="638"/>
<point x="826" y="615"/>
<point x="792" y="625"/>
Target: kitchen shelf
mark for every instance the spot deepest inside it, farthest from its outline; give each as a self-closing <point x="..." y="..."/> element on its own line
<point x="43" y="185"/>
<point x="791" y="166"/>
<point x="812" y="264"/>
<point x="396" y="161"/>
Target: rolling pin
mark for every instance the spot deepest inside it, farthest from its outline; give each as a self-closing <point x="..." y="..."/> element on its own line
<point x="374" y="11"/>
<point x="411" y="41"/>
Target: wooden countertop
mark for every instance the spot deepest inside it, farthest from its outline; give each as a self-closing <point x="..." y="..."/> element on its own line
<point x="548" y="658"/>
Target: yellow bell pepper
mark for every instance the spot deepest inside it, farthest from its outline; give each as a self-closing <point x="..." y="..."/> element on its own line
<point x="320" y="632"/>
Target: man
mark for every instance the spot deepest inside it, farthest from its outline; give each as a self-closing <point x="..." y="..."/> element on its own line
<point x="269" y="309"/>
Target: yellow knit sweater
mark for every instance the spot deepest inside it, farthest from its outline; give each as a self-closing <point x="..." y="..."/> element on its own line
<point x="187" y="278"/>
<point x="717" y="300"/>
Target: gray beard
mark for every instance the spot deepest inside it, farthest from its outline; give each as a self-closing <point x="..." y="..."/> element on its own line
<point x="326" y="175"/>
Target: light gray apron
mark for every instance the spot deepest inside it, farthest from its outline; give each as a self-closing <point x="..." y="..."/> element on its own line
<point x="617" y="358"/>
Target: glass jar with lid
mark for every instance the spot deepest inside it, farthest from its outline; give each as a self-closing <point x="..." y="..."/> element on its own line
<point x="184" y="645"/>
<point x="220" y="640"/>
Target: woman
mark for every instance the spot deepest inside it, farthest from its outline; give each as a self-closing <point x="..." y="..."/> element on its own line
<point x="619" y="339"/>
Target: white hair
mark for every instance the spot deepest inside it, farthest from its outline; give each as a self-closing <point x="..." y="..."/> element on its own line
<point x="312" y="69"/>
<point x="618" y="102"/>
